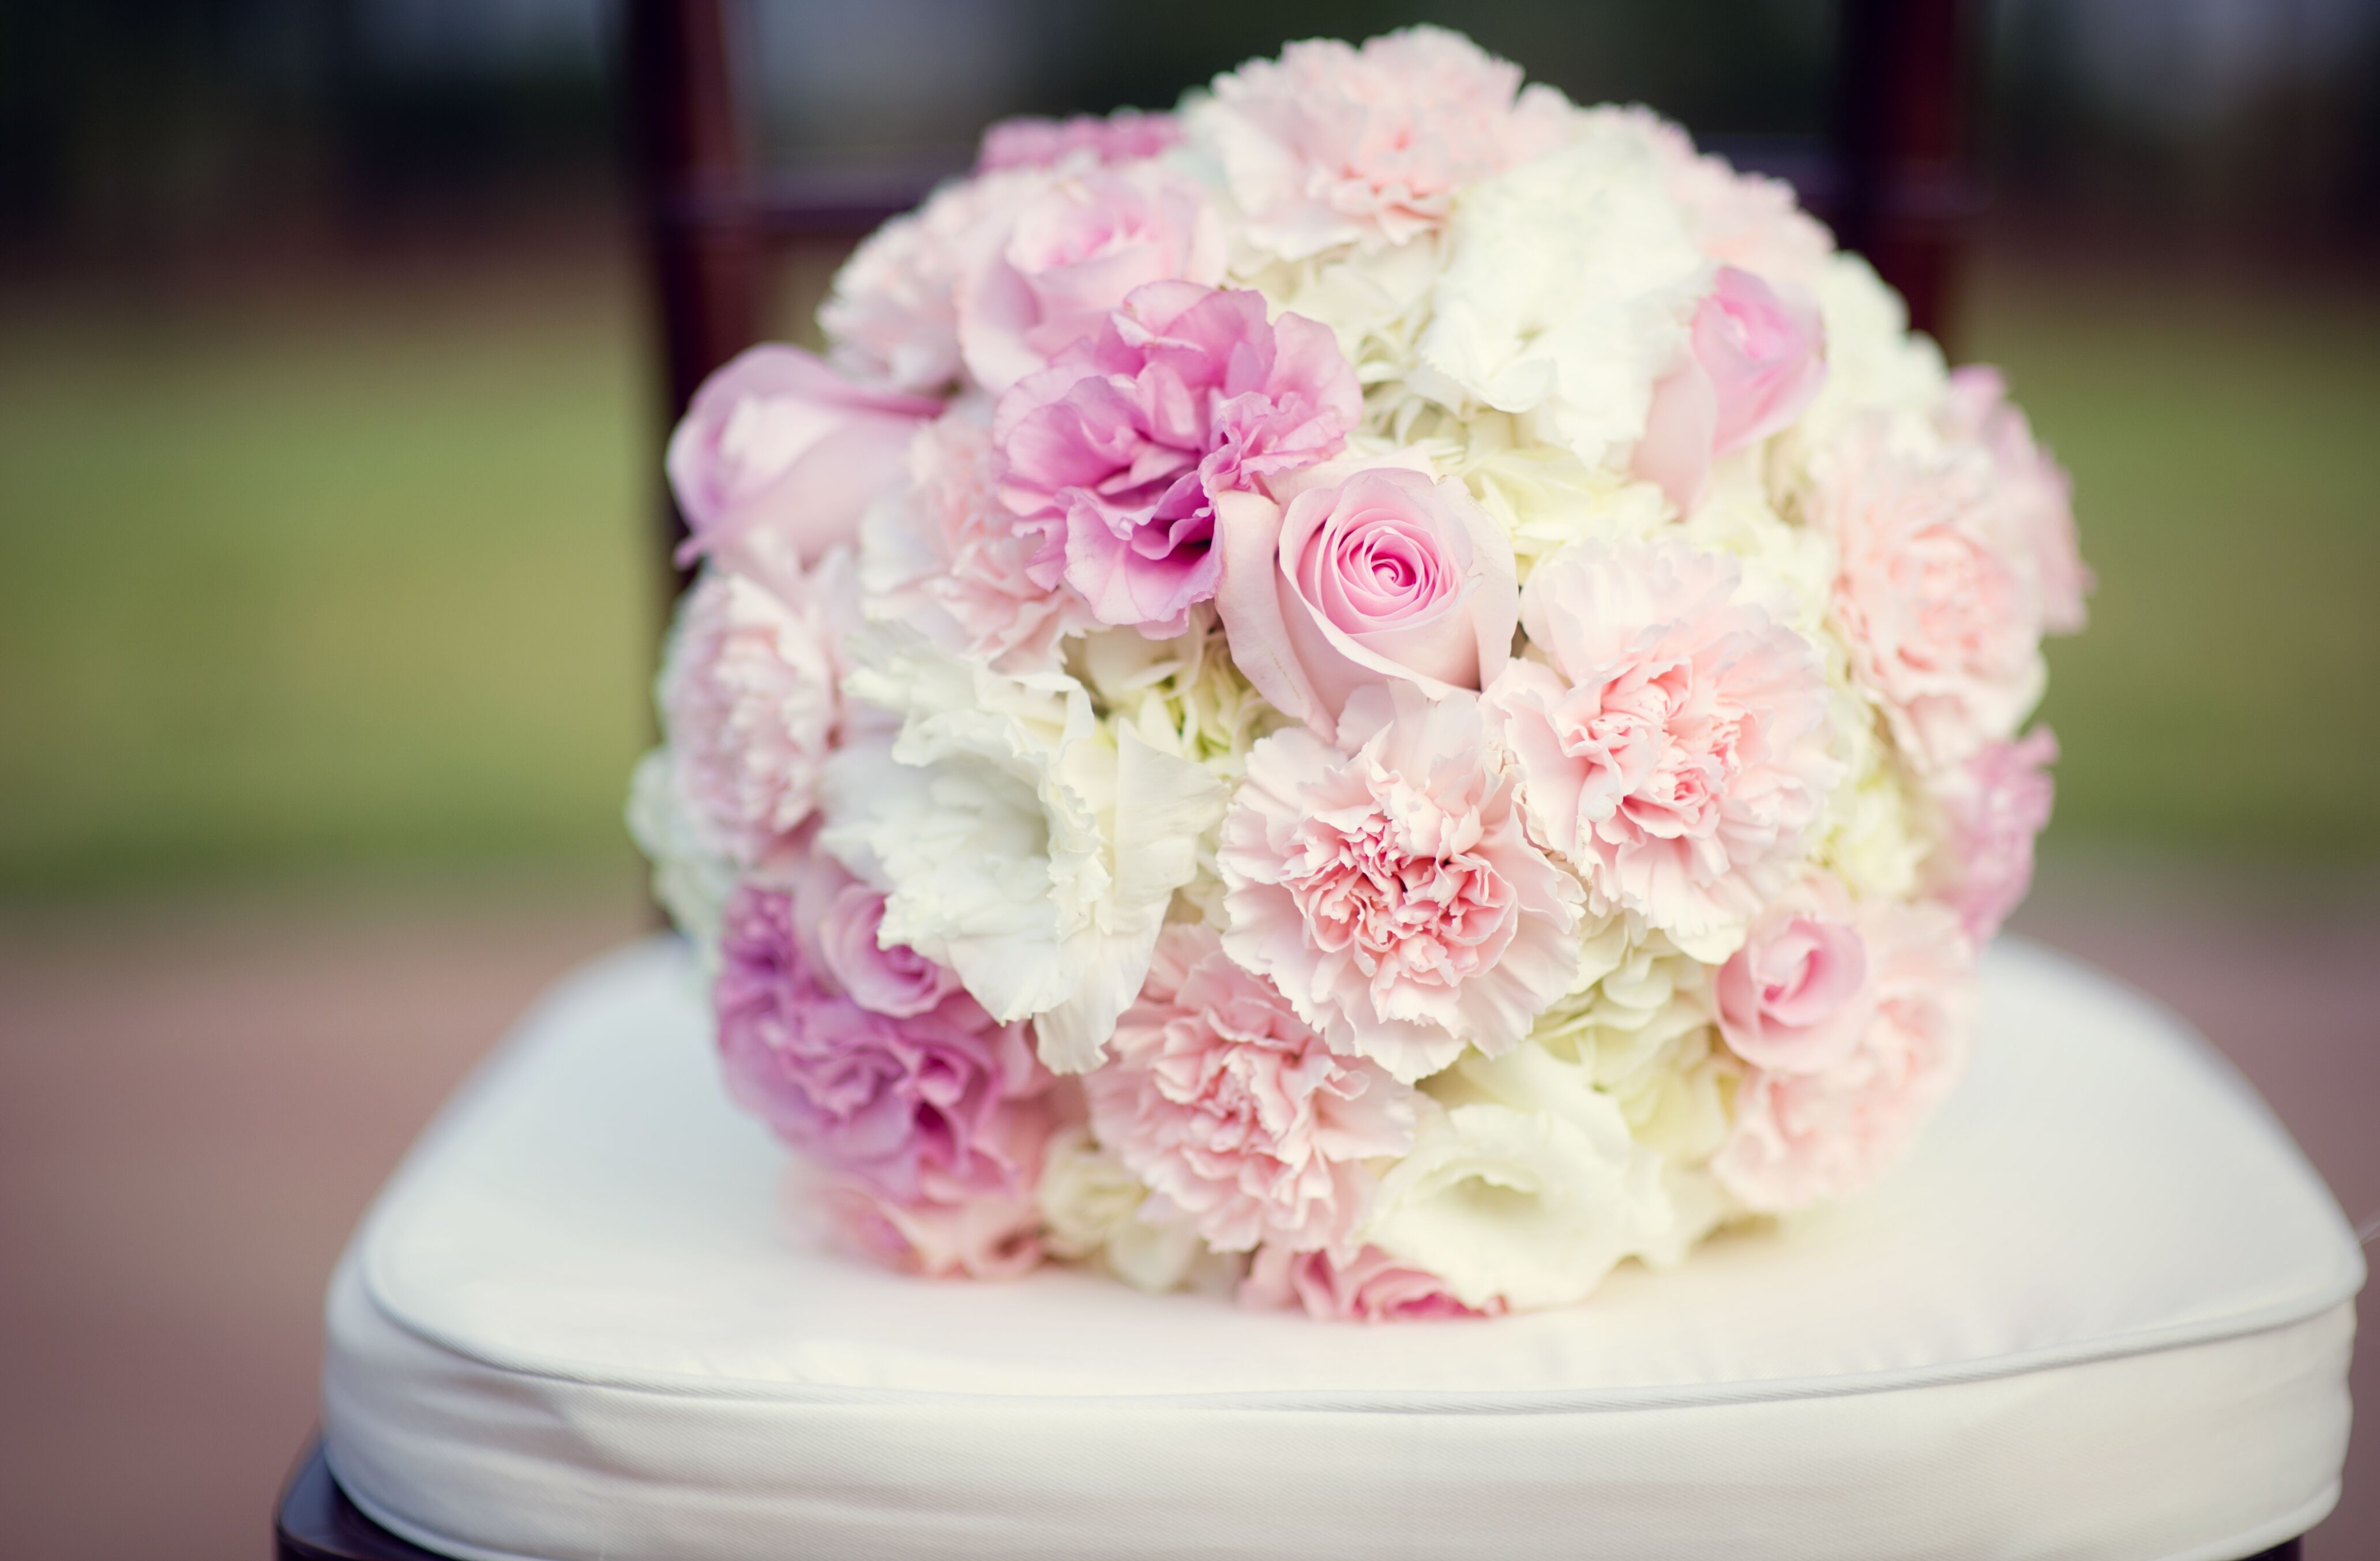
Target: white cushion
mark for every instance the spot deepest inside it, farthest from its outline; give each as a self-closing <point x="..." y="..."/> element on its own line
<point x="2103" y="1311"/>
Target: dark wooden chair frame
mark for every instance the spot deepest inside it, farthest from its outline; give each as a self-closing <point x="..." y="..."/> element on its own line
<point x="1895" y="188"/>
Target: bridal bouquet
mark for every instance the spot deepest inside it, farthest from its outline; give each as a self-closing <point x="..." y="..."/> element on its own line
<point x="1383" y="691"/>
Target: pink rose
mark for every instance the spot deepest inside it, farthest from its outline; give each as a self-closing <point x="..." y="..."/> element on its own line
<point x="1675" y="751"/>
<point x="1075" y="252"/>
<point x="911" y="1108"/>
<point x="1802" y="1136"/>
<point x="1388" y="888"/>
<point x="1121" y="137"/>
<point x="1992" y="808"/>
<point x="1332" y="144"/>
<point x="777" y="442"/>
<point x="1756" y="359"/>
<point x="1939" y="607"/>
<point x="1235" y="1114"/>
<point x="1369" y="1288"/>
<point x="949" y="560"/>
<point x="836" y="921"/>
<point x="2035" y="491"/>
<point x="1795" y="998"/>
<point x="1384" y="574"/>
<point x="1117" y="450"/>
<point x="750" y="709"/>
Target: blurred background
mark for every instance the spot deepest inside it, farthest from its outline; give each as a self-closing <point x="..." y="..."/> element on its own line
<point x="329" y="427"/>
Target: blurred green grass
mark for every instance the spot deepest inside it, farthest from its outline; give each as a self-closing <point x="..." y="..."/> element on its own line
<point x="358" y="581"/>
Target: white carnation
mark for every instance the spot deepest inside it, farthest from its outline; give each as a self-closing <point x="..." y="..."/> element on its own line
<point x="1873" y="364"/>
<point x="1534" y="1205"/>
<point x="1090" y="1208"/>
<point x="1568" y="286"/>
<point x="692" y="877"/>
<point x="1018" y="839"/>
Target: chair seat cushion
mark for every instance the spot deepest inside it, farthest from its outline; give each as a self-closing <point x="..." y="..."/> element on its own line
<point x="2104" y="1310"/>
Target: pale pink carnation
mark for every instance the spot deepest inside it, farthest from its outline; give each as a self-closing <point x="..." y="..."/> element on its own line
<point x="1031" y="142"/>
<point x="1388" y="888"/>
<point x="749" y="706"/>
<point x="1076" y="251"/>
<point x="912" y="1106"/>
<point x="1676" y="750"/>
<point x="949" y="558"/>
<point x="1332" y="144"/>
<point x="891" y="318"/>
<point x="1740" y="219"/>
<point x="1235" y="1114"/>
<point x="1992" y="808"/>
<point x="1941" y="611"/>
<point x="2036" y="493"/>
<point x="1799" y="1136"/>
<point x="1116" y="451"/>
<point x="1371" y="1286"/>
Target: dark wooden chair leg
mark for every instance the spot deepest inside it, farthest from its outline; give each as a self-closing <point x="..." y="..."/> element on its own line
<point x="317" y="1522"/>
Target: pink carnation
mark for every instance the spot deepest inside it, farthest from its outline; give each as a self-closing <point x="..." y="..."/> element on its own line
<point x="1388" y="888"/>
<point x="1369" y="1288"/>
<point x="1235" y="1113"/>
<point x="1992" y="808"/>
<point x="1075" y="252"/>
<point x="1802" y="1136"/>
<point x="892" y="316"/>
<point x="926" y="1106"/>
<point x="776" y="442"/>
<point x="1939" y="608"/>
<point x="1121" y="137"/>
<point x="2035" y="491"/>
<point x="1332" y="144"/>
<point x="1116" y="451"/>
<point x="1676" y="750"/>
<point x="987" y="1226"/>
<point x="749" y="705"/>
<point x="950" y="559"/>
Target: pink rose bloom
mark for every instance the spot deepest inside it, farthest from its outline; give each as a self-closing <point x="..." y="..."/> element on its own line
<point x="1117" y="450"/>
<point x="1756" y="358"/>
<point x="912" y="1106"/>
<point x="1387" y="573"/>
<point x="1121" y="137"/>
<point x="1332" y="144"/>
<point x="1388" y="888"/>
<point x="777" y="442"/>
<point x="1942" y="613"/>
<point x="1799" y="1137"/>
<point x="949" y="558"/>
<point x="1369" y="1288"/>
<point x="1676" y="749"/>
<point x="1745" y="220"/>
<point x="1235" y="1113"/>
<point x="2035" y="490"/>
<point x="1075" y="252"/>
<point x="1992" y="808"/>
<point x="836" y="921"/>
<point x="751" y="710"/>
<point x="892" y="316"/>
<point x="1795" y="997"/>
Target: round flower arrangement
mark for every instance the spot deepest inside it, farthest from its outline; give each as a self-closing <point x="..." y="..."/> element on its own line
<point x="1383" y="691"/>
